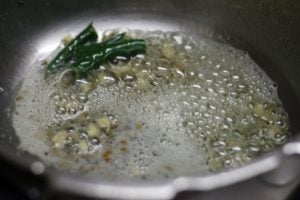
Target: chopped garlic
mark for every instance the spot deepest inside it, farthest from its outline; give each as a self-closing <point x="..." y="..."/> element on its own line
<point x="106" y="79"/>
<point x="92" y="130"/>
<point x="67" y="39"/>
<point x="121" y="71"/>
<point x="86" y="87"/>
<point x="168" y="52"/>
<point x="259" y="110"/>
<point x="83" y="146"/>
<point x="59" y="137"/>
<point x="104" y="123"/>
<point x="142" y="84"/>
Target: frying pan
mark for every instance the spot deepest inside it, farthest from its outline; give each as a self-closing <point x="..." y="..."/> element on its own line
<point x="268" y="30"/>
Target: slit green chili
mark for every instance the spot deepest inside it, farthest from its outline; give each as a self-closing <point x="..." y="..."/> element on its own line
<point x="97" y="54"/>
<point x="82" y="51"/>
<point x="65" y="55"/>
<point x="83" y="58"/>
<point x="116" y="38"/>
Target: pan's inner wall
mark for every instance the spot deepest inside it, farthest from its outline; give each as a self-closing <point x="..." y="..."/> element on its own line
<point x="268" y="31"/>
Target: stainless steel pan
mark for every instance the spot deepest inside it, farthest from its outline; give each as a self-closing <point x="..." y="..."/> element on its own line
<point x="269" y="30"/>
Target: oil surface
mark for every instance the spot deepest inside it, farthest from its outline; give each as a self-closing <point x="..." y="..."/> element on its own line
<point x="187" y="107"/>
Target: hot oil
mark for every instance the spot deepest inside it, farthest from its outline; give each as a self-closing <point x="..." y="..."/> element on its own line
<point x="187" y="107"/>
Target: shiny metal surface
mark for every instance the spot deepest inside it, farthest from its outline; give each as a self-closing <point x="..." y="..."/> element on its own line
<point x="268" y="30"/>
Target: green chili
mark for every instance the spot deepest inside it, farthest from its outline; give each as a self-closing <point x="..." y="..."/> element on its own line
<point x="82" y="51"/>
<point x="65" y="55"/>
<point x="116" y="38"/>
<point x="97" y="54"/>
<point x="84" y="58"/>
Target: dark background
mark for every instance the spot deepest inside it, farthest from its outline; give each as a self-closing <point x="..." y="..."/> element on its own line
<point x="9" y="192"/>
